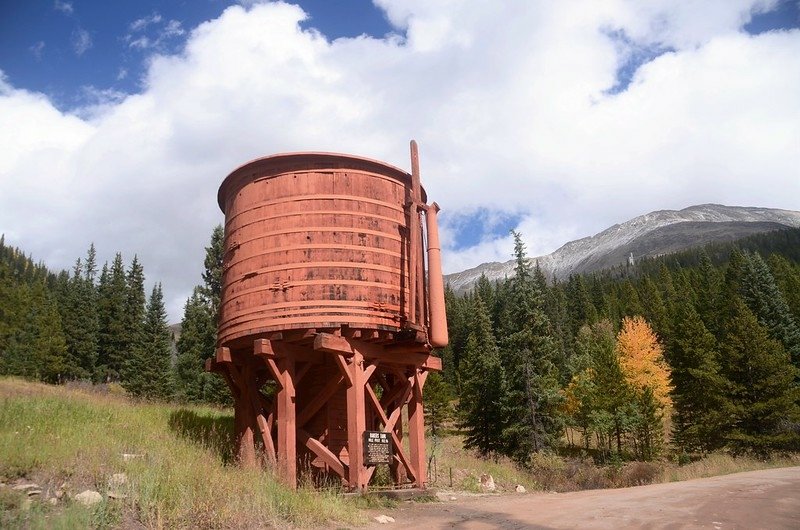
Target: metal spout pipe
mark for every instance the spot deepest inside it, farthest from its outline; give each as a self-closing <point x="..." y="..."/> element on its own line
<point x="438" y="318"/>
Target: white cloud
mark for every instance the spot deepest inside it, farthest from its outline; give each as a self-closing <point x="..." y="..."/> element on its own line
<point x="64" y="7"/>
<point x="514" y="119"/>
<point x="142" y="23"/>
<point x="81" y="41"/>
<point x="37" y="50"/>
<point x="150" y="33"/>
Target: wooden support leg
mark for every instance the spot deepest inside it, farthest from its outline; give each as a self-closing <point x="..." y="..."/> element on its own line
<point x="247" y="453"/>
<point x="287" y="424"/>
<point x="416" y="431"/>
<point x="398" y="470"/>
<point x="356" y="423"/>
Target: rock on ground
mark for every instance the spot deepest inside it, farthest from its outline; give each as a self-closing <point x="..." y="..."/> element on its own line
<point x="383" y="519"/>
<point x="487" y="483"/>
<point x="88" y="497"/>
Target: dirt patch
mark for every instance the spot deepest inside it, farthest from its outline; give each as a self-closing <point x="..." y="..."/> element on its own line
<point x="756" y="499"/>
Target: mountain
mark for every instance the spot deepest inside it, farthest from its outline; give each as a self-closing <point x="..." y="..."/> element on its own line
<point x="649" y="235"/>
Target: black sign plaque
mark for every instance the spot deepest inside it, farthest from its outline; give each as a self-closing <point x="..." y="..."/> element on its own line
<point x="377" y="448"/>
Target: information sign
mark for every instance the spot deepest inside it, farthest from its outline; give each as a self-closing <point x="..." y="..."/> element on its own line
<point x="377" y="448"/>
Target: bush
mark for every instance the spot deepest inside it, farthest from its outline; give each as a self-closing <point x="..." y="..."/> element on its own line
<point x="639" y="474"/>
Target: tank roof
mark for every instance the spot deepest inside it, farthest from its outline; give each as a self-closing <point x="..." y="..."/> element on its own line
<point x="309" y="160"/>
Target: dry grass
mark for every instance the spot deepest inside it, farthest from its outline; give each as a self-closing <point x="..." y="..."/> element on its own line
<point x="551" y="472"/>
<point x="724" y="464"/>
<point x="55" y="435"/>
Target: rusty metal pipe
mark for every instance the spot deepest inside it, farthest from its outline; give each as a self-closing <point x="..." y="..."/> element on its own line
<point x="415" y="234"/>
<point x="438" y="318"/>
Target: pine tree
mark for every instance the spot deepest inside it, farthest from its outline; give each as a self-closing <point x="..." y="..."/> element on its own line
<point x="708" y="294"/>
<point x="195" y="345"/>
<point x="761" y="294"/>
<point x="647" y="425"/>
<point x="112" y="299"/>
<point x="133" y="334"/>
<point x="764" y="395"/>
<point x="438" y="403"/>
<point x="655" y="311"/>
<point x="532" y="401"/>
<point x="702" y="409"/>
<point x="630" y="305"/>
<point x="458" y="326"/>
<point x="482" y="386"/>
<point x="149" y="370"/>
<point x="212" y="275"/>
<point x="78" y="307"/>
<point x="787" y="276"/>
<point x="580" y="307"/>
<point x="200" y="320"/>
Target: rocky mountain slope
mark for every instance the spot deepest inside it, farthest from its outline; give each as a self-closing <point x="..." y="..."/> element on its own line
<point x="648" y="235"/>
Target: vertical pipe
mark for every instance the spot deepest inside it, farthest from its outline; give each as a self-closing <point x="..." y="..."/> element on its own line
<point x="414" y="236"/>
<point x="437" y="334"/>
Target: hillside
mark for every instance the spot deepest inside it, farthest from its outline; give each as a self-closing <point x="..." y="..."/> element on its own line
<point x="154" y="466"/>
<point x="650" y="235"/>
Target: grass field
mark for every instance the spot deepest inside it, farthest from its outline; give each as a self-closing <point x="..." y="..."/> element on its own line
<point x="70" y="439"/>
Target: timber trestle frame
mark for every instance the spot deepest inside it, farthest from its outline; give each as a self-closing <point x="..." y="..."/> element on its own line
<point x="329" y="387"/>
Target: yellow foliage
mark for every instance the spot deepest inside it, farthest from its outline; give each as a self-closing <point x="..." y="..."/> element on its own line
<point x="641" y="358"/>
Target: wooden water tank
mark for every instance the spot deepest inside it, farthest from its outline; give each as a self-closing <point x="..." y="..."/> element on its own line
<point x="314" y="240"/>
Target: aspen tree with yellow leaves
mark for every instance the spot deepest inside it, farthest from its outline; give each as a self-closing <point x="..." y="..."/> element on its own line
<point x="641" y="358"/>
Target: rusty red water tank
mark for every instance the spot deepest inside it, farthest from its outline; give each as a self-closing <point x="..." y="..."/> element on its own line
<point x="314" y="240"/>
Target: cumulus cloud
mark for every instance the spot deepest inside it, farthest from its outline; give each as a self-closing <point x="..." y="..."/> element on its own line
<point x="520" y="120"/>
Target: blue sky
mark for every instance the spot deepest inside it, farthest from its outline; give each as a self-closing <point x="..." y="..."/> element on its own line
<point x="71" y="49"/>
<point x="119" y="119"/>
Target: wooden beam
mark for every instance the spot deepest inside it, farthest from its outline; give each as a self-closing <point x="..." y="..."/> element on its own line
<point x="319" y="400"/>
<point x="369" y="370"/>
<point x="319" y="449"/>
<point x="266" y="435"/>
<point x="344" y="368"/>
<point x="301" y="373"/>
<point x="351" y="333"/>
<point x="287" y="425"/>
<point x="416" y="432"/>
<point x="395" y="393"/>
<point x="356" y="424"/>
<point x="372" y="398"/>
<point x="244" y="418"/>
<point x="329" y="343"/>
<point x="263" y="348"/>
<point x="223" y="355"/>
<point x="398" y="452"/>
<point x="274" y="370"/>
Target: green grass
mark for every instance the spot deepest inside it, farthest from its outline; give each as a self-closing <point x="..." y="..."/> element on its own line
<point x="54" y="435"/>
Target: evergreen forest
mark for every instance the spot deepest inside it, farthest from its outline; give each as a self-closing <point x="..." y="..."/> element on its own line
<point x="98" y="325"/>
<point x="683" y="354"/>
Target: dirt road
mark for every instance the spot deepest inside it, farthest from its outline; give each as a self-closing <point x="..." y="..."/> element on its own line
<point x="756" y="499"/>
